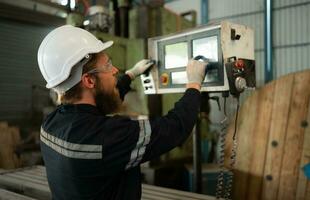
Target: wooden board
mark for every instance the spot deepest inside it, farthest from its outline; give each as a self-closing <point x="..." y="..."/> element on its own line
<point x="3" y="124"/>
<point x="283" y="88"/>
<point x="303" y="184"/>
<point x="9" y="139"/>
<point x="294" y="138"/>
<point x="272" y="145"/>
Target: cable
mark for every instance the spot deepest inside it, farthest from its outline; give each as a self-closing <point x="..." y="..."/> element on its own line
<point x="220" y="183"/>
<point x="222" y="138"/>
<point x="233" y="156"/>
<point x="236" y="119"/>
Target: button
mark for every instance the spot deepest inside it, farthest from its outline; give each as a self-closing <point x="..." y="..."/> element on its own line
<point x="239" y="64"/>
<point x="148" y="87"/>
<point x="147" y="81"/>
<point x="164" y="79"/>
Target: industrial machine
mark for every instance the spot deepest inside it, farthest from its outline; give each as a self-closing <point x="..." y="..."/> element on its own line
<point x="228" y="51"/>
<point x="228" y="48"/>
<point x="99" y="18"/>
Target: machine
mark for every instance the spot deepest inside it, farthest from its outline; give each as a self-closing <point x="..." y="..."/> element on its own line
<point x="228" y="48"/>
<point x="228" y="51"/>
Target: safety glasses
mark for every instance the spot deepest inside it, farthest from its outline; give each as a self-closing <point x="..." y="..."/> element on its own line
<point x="102" y="69"/>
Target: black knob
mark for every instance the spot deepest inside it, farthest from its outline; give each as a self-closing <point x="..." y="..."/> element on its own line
<point x="147" y="81"/>
<point x="148" y="87"/>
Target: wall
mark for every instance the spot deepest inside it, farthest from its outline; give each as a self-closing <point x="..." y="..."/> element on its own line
<point x="291" y="36"/>
<point x="22" y="88"/>
<point x="32" y="5"/>
<point x="290" y="25"/>
<point x="291" y="43"/>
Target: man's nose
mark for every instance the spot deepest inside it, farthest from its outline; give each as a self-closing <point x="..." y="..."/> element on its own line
<point x="115" y="70"/>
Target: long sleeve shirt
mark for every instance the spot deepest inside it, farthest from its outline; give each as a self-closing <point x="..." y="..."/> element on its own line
<point x="93" y="156"/>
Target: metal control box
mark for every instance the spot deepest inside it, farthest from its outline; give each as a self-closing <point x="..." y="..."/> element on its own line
<point x="229" y="47"/>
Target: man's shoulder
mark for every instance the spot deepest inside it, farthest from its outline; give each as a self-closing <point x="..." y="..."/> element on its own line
<point x="119" y="120"/>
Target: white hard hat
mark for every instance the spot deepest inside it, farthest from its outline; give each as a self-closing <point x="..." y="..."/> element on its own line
<point x="62" y="54"/>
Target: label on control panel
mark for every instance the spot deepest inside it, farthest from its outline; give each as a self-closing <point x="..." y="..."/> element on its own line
<point x="148" y="84"/>
<point x="179" y="77"/>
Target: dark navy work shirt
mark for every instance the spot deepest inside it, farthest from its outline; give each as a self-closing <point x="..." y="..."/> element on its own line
<point x="92" y="156"/>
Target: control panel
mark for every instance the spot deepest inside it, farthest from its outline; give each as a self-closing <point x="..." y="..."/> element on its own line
<point x="228" y="48"/>
<point x="240" y="74"/>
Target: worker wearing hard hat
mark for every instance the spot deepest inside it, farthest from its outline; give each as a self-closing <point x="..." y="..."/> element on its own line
<point x="88" y="153"/>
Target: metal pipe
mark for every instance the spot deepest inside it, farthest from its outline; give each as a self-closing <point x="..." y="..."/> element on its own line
<point x="268" y="41"/>
<point x="26" y="15"/>
<point x="204" y="11"/>
<point x="197" y="179"/>
<point x="69" y="6"/>
<point x="168" y="1"/>
<point x="123" y="11"/>
<point x="51" y="4"/>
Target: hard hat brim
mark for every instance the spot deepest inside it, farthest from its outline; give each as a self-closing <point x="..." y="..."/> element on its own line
<point x="95" y="49"/>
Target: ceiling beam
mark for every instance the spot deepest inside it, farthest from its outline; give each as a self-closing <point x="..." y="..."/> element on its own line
<point x="30" y="16"/>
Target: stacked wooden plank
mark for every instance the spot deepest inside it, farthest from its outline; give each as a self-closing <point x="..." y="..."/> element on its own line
<point x="274" y="141"/>
<point x="9" y="139"/>
<point x="32" y="182"/>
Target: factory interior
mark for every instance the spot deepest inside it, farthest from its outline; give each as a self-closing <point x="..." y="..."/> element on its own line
<point x="251" y="136"/>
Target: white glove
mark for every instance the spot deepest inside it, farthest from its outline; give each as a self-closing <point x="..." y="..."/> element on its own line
<point x="139" y="68"/>
<point x="196" y="71"/>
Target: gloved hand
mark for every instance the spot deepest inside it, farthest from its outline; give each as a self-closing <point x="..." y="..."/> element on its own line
<point x="196" y="71"/>
<point x="139" y="68"/>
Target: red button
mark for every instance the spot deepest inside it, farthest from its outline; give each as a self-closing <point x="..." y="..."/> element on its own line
<point x="239" y="64"/>
<point x="164" y="79"/>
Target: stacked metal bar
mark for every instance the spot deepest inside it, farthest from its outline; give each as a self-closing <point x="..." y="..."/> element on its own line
<point x="8" y="195"/>
<point x="150" y="192"/>
<point x="31" y="184"/>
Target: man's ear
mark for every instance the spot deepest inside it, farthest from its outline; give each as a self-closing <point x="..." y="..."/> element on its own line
<point x="88" y="81"/>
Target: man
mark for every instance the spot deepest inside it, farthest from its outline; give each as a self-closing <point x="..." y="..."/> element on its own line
<point x="88" y="153"/>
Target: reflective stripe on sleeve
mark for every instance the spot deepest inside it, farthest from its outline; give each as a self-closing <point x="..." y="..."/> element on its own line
<point x="144" y="138"/>
<point x="71" y="150"/>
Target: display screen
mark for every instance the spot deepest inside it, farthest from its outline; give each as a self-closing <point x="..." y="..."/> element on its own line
<point x="174" y="52"/>
<point x="206" y="47"/>
<point x="176" y="55"/>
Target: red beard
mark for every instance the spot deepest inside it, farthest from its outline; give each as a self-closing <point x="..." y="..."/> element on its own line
<point x="107" y="102"/>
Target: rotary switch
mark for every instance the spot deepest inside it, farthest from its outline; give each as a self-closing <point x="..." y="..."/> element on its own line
<point x="240" y="84"/>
